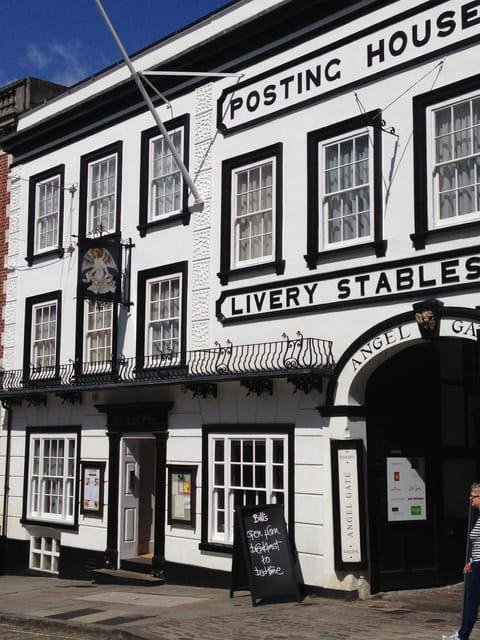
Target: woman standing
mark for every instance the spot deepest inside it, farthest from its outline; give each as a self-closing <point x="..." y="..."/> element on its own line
<point x="472" y="575"/>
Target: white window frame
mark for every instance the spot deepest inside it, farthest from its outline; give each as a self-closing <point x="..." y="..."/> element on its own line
<point x="47" y="213"/>
<point x="221" y="508"/>
<point x="342" y="191"/>
<point x="165" y="312"/>
<point x="170" y="175"/>
<point x="99" y="337"/>
<point x="107" y="197"/>
<point x="268" y="230"/>
<point x="44" y="335"/>
<point x="45" y="553"/>
<point x="434" y="166"/>
<point x="52" y="477"/>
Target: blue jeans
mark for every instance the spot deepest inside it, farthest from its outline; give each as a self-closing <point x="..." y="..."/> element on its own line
<point x="471" y="603"/>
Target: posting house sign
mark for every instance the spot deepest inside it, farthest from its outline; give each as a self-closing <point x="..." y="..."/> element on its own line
<point x="431" y="27"/>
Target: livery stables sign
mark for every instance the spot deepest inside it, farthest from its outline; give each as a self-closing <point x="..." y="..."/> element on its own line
<point x="400" y="40"/>
<point x="353" y="287"/>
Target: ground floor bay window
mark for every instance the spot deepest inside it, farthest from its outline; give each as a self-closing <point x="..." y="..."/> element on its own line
<point x="51" y="478"/>
<point x="245" y="469"/>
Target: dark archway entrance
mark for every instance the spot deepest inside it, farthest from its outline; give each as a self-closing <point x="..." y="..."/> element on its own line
<point x="422" y="418"/>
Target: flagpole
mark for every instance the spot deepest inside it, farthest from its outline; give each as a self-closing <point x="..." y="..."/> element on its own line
<point x="146" y="97"/>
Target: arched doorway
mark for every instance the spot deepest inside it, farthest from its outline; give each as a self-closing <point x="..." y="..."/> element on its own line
<point x="423" y="436"/>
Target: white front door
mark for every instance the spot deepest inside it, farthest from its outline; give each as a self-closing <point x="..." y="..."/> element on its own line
<point x="129" y="498"/>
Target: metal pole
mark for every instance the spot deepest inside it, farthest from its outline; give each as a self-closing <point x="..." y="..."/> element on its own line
<point x="467" y="556"/>
<point x="146" y="97"/>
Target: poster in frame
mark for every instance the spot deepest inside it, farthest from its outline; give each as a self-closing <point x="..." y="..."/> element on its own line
<point x="92" y="488"/>
<point x="181" y="494"/>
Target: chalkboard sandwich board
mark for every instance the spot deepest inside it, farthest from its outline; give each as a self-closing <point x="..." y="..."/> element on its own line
<point x="262" y="560"/>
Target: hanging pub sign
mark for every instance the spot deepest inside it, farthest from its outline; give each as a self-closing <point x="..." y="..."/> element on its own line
<point x="100" y="269"/>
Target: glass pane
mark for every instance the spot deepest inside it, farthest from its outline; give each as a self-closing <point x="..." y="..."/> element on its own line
<point x="466" y="200"/>
<point x="277" y="451"/>
<point x="277" y="477"/>
<point x="331" y="157"/>
<point x="235" y="451"/>
<point x="219" y="474"/>
<point x="236" y="475"/>
<point x="220" y="521"/>
<point x="248" y="451"/>
<point x="260" y="477"/>
<point x="447" y="206"/>
<point x="443" y="148"/>
<point x="260" y="451"/>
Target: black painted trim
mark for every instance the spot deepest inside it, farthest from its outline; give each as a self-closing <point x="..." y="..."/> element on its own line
<point x="314" y="255"/>
<point x="76" y="563"/>
<point x="344" y="304"/>
<point x="25" y="520"/>
<point x="31" y="256"/>
<point x="80" y="333"/>
<point x="287" y="429"/>
<point x="112" y="149"/>
<point x="27" y="339"/>
<point x="143" y="277"/>
<point x="330" y="409"/>
<point x="144" y="225"/>
<point x="277" y="265"/>
<point x="351" y="86"/>
<point x="422" y="173"/>
<point x="343" y="411"/>
<point x="14" y="555"/>
<point x="111" y="552"/>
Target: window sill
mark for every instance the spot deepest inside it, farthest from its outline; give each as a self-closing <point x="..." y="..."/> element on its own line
<point x="379" y="248"/>
<point x="46" y="255"/>
<point x="183" y="217"/>
<point x="216" y="547"/>
<point x="278" y="267"/>
<point x="422" y="238"/>
<point x="50" y="524"/>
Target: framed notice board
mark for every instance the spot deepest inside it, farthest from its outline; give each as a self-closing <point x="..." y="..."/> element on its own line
<point x="262" y="560"/>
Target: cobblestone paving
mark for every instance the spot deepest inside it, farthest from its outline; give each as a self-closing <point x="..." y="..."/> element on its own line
<point x="82" y="611"/>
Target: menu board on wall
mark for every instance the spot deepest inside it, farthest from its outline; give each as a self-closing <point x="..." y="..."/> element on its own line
<point x="262" y="560"/>
<point x="406" y="496"/>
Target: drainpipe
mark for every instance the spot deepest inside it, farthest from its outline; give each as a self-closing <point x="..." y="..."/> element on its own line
<point x="6" y="487"/>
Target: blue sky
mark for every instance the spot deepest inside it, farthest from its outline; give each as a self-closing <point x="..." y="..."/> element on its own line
<point x="66" y="41"/>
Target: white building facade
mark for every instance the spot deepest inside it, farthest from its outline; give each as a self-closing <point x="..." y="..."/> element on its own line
<point x="304" y="333"/>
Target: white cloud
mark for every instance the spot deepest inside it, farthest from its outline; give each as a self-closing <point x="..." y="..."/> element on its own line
<point x="61" y="63"/>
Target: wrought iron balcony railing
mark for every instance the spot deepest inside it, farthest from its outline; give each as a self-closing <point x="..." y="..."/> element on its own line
<point x="282" y="358"/>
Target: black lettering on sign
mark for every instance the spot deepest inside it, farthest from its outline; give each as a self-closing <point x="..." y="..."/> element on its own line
<point x="262" y="559"/>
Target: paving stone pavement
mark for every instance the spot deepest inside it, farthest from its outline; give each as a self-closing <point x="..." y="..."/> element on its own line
<point x="173" y="612"/>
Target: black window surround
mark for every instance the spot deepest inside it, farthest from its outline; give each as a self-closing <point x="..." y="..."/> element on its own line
<point x="75" y="430"/>
<point x="151" y="274"/>
<point x="314" y="255"/>
<point x="277" y="265"/>
<point x="113" y="149"/>
<point x="422" y="173"/>
<point x="145" y="225"/>
<point x="82" y="366"/>
<point x="30" y="303"/>
<point x="59" y="251"/>
<point x="270" y="430"/>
